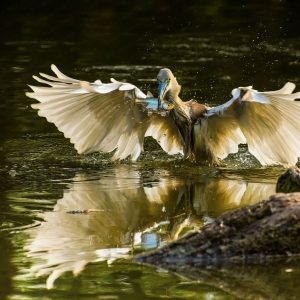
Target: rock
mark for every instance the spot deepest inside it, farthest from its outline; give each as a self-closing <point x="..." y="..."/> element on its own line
<point x="256" y="233"/>
<point x="289" y="182"/>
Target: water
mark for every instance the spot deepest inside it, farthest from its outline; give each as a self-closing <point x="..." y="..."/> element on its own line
<point x="70" y="224"/>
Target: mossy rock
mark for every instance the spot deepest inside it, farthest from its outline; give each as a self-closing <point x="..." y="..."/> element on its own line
<point x="266" y="230"/>
<point x="289" y="182"/>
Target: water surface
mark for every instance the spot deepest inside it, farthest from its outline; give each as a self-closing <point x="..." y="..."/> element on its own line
<point x="70" y="224"/>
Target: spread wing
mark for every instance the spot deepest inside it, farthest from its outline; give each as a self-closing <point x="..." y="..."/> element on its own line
<point x="102" y="116"/>
<point x="268" y="121"/>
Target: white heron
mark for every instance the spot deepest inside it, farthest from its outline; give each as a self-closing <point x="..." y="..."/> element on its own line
<point x="117" y="116"/>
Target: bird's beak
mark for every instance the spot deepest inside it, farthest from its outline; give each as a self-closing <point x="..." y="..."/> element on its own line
<point x="162" y="90"/>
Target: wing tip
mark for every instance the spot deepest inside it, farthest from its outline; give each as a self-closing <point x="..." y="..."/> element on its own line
<point x="35" y="106"/>
<point x="43" y="74"/>
<point x="54" y="69"/>
<point x="30" y="94"/>
<point x="289" y="87"/>
<point x="35" y="77"/>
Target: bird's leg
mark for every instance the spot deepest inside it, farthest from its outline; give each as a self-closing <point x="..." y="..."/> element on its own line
<point x="188" y="141"/>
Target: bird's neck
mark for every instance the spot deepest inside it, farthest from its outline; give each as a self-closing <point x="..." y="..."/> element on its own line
<point x="173" y="95"/>
<point x="173" y="98"/>
<point x="179" y="105"/>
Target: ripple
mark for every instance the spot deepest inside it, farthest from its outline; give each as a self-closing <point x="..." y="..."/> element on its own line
<point x="124" y="67"/>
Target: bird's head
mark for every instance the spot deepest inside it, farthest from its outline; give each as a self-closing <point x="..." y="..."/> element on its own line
<point x="168" y="87"/>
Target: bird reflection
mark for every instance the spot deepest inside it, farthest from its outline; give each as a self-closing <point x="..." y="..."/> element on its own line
<point x="103" y="217"/>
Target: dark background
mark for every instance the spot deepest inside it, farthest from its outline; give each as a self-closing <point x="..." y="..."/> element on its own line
<point x="212" y="46"/>
<point x="134" y="26"/>
<point x="44" y="19"/>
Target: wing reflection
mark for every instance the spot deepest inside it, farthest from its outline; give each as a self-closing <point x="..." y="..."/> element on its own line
<point x="103" y="217"/>
<point x="211" y="198"/>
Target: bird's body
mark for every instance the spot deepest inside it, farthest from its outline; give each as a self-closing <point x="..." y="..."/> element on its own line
<point x="187" y="119"/>
<point x="117" y="116"/>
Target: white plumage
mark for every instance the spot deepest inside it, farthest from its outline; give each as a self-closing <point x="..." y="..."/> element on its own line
<point x="269" y="122"/>
<point x="114" y="117"/>
<point x="102" y="117"/>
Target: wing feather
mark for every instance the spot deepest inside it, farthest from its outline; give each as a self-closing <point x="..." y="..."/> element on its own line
<point x="288" y="88"/>
<point x="102" y="117"/>
<point x="269" y="121"/>
<point x="164" y="130"/>
<point x="221" y="136"/>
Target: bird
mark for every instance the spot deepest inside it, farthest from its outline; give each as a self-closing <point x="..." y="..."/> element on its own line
<point x="117" y="116"/>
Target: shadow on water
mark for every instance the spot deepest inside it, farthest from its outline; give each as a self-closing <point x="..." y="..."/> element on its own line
<point x="104" y="216"/>
<point x="85" y="215"/>
<point x="108" y="216"/>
